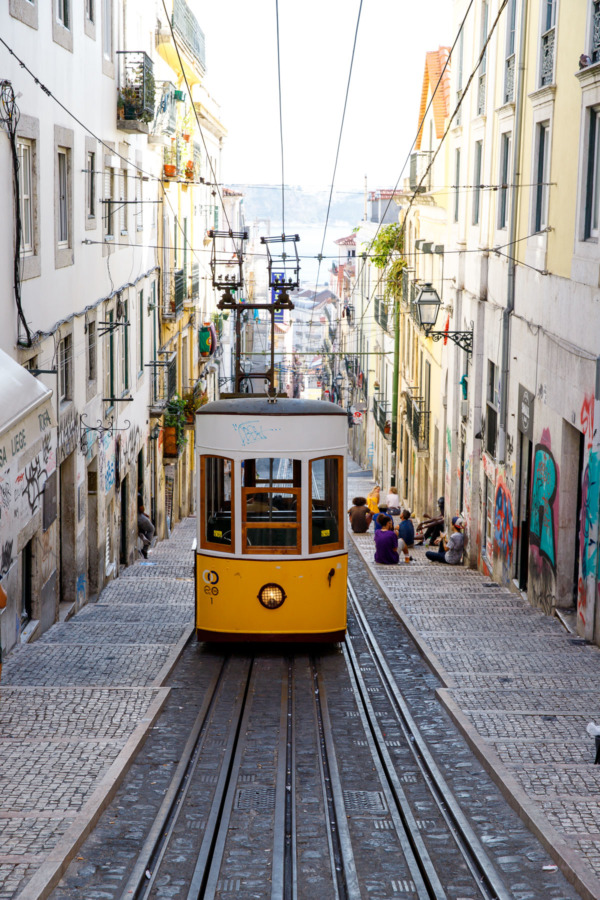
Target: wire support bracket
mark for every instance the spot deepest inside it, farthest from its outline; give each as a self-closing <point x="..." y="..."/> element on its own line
<point x="100" y="428"/>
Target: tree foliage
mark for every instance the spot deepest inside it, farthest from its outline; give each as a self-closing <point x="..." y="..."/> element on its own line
<point x="386" y="253"/>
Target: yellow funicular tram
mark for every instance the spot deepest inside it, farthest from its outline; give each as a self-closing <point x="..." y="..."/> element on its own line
<point x="271" y="558"/>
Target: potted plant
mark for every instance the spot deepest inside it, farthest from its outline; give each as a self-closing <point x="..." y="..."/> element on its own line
<point x="193" y="400"/>
<point x="129" y="102"/>
<point x="175" y="437"/>
<point x="170" y="162"/>
<point x="189" y="170"/>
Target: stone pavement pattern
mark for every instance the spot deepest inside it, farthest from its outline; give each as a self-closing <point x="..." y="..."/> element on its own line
<point x="79" y="701"/>
<point x="518" y="684"/>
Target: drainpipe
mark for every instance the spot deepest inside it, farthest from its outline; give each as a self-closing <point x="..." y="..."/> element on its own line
<point x="510" y="287"/>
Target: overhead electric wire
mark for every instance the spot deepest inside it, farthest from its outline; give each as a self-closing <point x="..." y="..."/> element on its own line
<point x="280" y="119"/>
<point x="339" y="143"/>
<point x="451" y="119"/>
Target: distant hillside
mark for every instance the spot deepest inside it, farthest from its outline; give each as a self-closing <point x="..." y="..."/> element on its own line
<point x="301" y="207"/>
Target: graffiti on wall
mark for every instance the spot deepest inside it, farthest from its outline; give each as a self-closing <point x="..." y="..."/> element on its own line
<point x="6" y="557"/>
<point x="543" y="503"/>
<point x="588" y="522"/>
<point x="503" y="523"/>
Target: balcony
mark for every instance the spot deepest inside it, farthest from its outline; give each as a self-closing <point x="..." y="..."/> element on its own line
<point x="382" y="315"/>
<point x="163" y="381"/>
<point x="548" y="42"/>
<point x="135" y="104"/>
<point x="382" y="413"/>
<point x="195" y="282"/>
<point x="190" y="40"/>
<point x="419" y="164"/>
<point x="173" y="293"/>
<point x="509" y="79"/>
<point x="165" y="119"/>
<point x="417" y="419"/>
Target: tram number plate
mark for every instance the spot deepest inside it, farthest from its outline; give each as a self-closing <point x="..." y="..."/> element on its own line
<point x="211" y="579"/>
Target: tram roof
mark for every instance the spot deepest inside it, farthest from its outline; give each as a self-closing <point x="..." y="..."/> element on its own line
<point x="260" y="406"/>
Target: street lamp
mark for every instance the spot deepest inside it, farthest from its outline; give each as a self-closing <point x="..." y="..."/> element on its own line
<point x="428" y="305"/>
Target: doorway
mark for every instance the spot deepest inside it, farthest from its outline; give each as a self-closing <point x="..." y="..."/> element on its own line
<point x="93" y="561"/>
<point x="524" y="511"/>
<point x="124" y="520"/>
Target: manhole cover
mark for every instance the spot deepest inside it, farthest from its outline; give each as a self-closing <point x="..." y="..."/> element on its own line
<point x="364" y="801"/>
<point x="255" y="798"/>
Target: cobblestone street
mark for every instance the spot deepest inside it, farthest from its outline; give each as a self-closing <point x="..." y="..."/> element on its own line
<point x="519" y="686"/>
<point x="76" y="705"/>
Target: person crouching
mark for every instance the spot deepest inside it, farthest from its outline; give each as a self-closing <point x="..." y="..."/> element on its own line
<point x="406" y="535"/>
<point x="386" y="542"/>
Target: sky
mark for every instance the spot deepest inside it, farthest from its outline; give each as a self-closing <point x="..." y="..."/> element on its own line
<point x="316" y="41"/>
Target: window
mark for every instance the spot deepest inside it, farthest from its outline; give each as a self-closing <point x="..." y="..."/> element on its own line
<point x="63" y="13"/>
<point x="477" y="182"/>
<point x="140" y="341"/>
<point x="125" y="358"/>
<point x="89" y="10"/>
<point x="592" y="187"/>
<point x="509" y="66"/>
<point x="505" y="147"/>
<point x="63" y="197"/>
<point x="271" y="503"/>
<point x="491" y="418"/>
<point x="25" y="154"/>
<point x="91" y="351"/>
<point x="109" y="188"/>
<point x="548" y="38"/>
<point x="107" y="44"/>
<point x="483" y="65"/>
<point x="595" y="32"/>
<point x="540" y="209"/>
<point x="457" y="184"/>
<point x="109" y="361"/>
<point x="65" y="364"/>
<point x="139" y="209"/>
<point x="90" y="186"/>
<point x="217" y="523"/>
<point x="326" y="514"/>
<point x="459" y="74"/>
<point x="124" y="198"/>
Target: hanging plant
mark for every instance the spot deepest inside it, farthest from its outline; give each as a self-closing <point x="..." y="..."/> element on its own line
<point x="175" y="412"/>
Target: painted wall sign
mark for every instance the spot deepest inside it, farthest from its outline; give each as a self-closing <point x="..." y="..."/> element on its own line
<point x="525" y="415"/>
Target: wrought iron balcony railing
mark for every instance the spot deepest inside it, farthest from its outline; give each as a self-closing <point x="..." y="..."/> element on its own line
<point x="173" y="293"/>
<point x="417" y="418"/>
<point x="195" y="281"/>
<point x="189" y="33"/>
<point x="137" y="87"/>
<point x="548" y="42"/>
<point x="509" y="79"/>
<point x="481" y="96"/>
<point x="163" y="381"/>
<point x="595" y="48"/>
<point x="419" y="163"/>
<point x="383" y="417"/>
<point x="382" y="315"/>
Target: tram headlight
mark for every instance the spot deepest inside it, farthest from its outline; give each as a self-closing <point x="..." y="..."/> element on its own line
<point x="271" y="595"/>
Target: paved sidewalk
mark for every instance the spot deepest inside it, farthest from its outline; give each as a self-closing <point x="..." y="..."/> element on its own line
<point x="519" y="686"/>
<point x="76" y="705"/>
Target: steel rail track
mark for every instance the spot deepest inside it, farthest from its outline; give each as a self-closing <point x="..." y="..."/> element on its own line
<point x="490" y="884"/>
<point x="142" y="879"/>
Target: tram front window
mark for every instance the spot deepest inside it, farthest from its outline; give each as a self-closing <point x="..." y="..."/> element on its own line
<point x="326" y="501"/>
<point x="216" y="510"/>
<point x="271" y="505"/>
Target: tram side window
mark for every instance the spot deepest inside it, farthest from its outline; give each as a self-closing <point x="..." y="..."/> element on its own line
<point x="271" y="505"/>
<point x="216" y="510"/>
<point x="326" y="504"/>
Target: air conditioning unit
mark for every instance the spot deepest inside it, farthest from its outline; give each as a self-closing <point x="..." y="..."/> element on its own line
<point x="464" y="409"/>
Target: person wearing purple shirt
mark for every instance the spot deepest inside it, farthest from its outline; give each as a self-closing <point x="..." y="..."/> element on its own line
<point x="386" y="542"/>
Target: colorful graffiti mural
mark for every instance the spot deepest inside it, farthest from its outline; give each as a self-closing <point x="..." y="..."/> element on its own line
<point x="504" y="523"/>
<point x="542" y="532"/>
